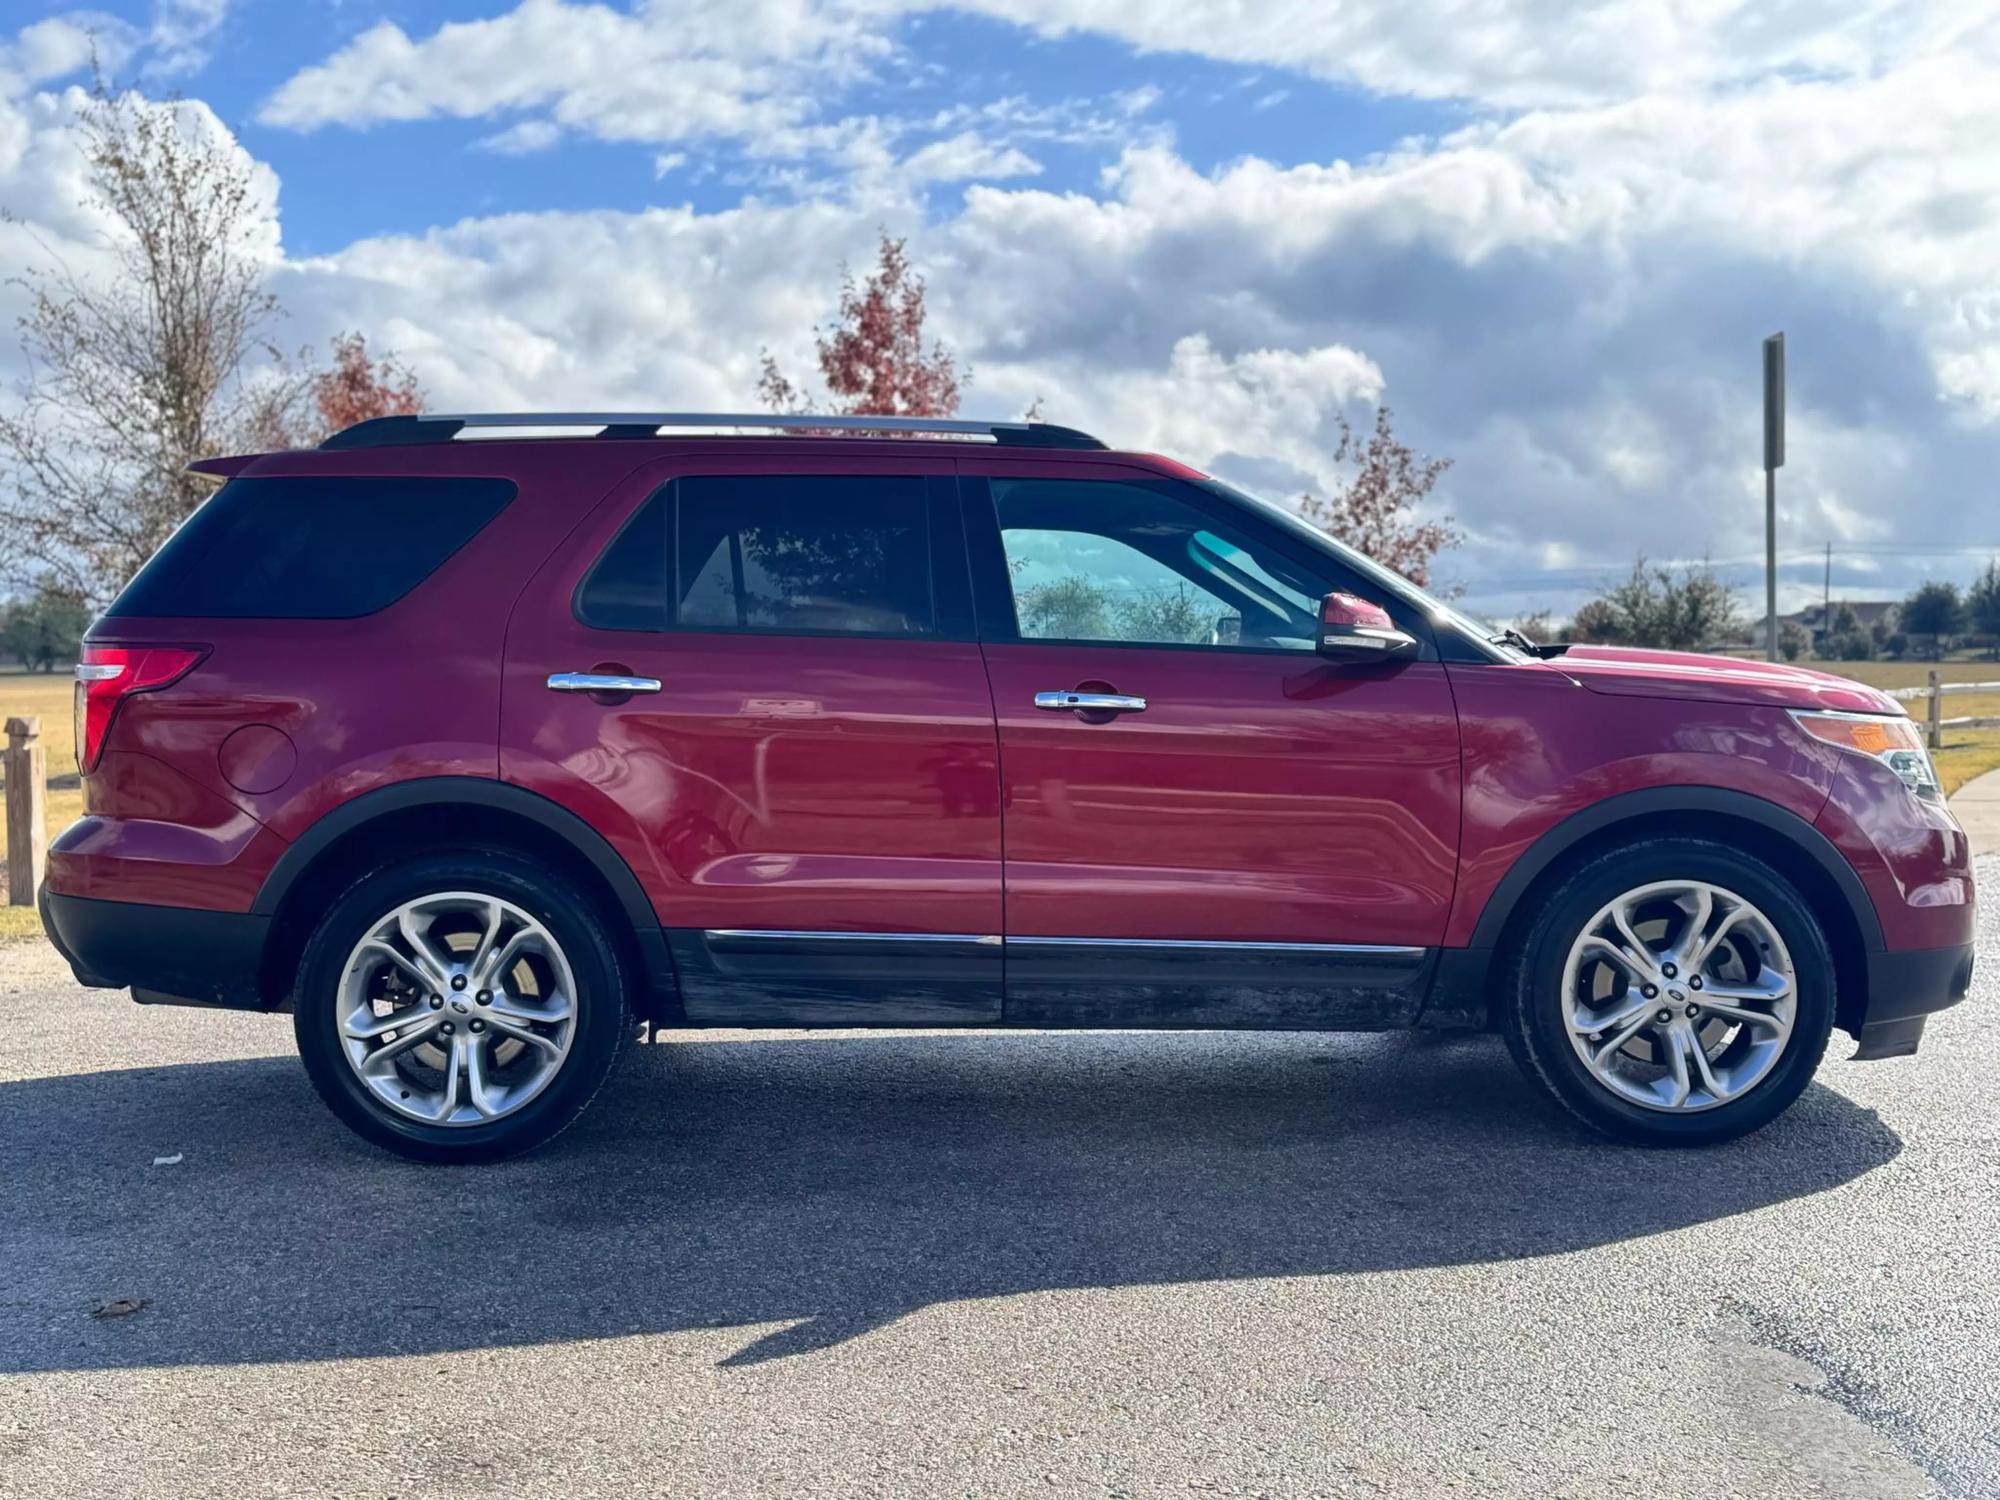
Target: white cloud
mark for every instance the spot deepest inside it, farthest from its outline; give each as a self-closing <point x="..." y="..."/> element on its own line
<point x="59" y="46"/>
<point x="658" y="72"/>
<point x="1565" y="300"/>
<point x="523" y="139"/>
<point x="179" y="36"/>
<point x="967" y="155"/>
<point x="1523" y="53"/>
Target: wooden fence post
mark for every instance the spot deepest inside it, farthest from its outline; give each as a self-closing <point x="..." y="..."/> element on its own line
<point x="1935" y="731"/>
<point x="27" y="809"/>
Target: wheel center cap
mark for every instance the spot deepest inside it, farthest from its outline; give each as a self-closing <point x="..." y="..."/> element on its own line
<point x="1672" y="994"/>
<point x="464" y="1009"/>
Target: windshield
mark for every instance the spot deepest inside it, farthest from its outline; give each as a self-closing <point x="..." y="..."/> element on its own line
<point x="1440" y="612"/>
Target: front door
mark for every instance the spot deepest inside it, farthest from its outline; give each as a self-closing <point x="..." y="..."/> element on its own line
<point x="802" y="773"/>
<point x="1206" y="822"/>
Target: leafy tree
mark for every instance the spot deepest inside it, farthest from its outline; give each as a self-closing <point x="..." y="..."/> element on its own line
<point x="1934" y="610"/>
<point x="875" y="362"/>
<point x="1539" y="625"/>
<point x="1071" y="608"/>
<point x="1377" y="508"/>
<point x="44" y="630"/>
<point x="1176" y="616"/>
<point x="1885" y="630"/>
<point x="1668" y="608"/>
<point x="1847" y="645"/>
<point x="1595" y="624"/>
<point x="358" y="386"/>
<point x="1982" y="606"/>
<point x="1794" y="640"/>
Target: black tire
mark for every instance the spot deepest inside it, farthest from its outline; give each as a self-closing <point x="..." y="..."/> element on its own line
<point x="601" y="1001"/>
<point x="1532" y="1016"/>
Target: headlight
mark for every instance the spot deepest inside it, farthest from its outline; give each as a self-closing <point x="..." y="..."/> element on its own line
<point x="1896" y="742"/>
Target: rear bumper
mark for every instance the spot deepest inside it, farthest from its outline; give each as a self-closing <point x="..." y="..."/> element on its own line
<point x="168" y="955"/>
<point x="1904" y="987"/>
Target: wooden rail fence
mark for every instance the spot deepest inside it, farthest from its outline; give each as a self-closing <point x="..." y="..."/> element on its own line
<point x="1933" y="695"/>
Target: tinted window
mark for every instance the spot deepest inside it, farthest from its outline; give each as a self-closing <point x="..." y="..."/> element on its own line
<point x="804" y="554"/>
<point x="310" y="549"/>
<point x="627" y="589"/>
<point x="1095" y="561"/>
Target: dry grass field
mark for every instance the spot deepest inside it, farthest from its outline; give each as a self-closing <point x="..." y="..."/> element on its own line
<point x="1966" y="753"/>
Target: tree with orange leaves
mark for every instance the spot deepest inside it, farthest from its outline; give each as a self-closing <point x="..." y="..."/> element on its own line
<point x="875" y="362"/>
<point x="1375" y="511"/>
<point x="358" y="386"/>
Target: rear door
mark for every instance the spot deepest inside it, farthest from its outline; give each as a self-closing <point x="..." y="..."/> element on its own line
<point x="802" y="770"/>
<point x="1258" y="835"/>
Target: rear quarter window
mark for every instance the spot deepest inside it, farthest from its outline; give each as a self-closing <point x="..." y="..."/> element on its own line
<point x="319" y="548"/>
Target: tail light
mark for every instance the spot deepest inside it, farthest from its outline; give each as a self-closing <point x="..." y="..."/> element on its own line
<point x="108" y="675"/>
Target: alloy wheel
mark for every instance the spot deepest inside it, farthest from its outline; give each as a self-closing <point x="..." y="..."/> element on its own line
<point x="456" y="1009"/>
<point x="1679" y="996"/>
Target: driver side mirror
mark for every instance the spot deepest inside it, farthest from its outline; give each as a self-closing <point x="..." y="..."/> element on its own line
<point x="1352" y="629"/>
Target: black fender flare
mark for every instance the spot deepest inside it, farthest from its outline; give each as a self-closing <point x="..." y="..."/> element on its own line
<point x="1461" y="990"/>
<point x="501" y="796"/>
<point x="1554" y="843"/>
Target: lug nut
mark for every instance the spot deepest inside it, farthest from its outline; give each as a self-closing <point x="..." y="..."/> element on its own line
<point x="446" y="1028"/>
<point x="1667" y="969"/>
<point x="1650" y="991"/>
<point x="484" y="997"/>
<point x="437" y="1002"/>
<point x="1663" y="1017"/>
<point x="478" y="1026"/>
<point x="458" y="980"/>
<point x="1695" y="982"/>
<point x="1693" y="1011"/>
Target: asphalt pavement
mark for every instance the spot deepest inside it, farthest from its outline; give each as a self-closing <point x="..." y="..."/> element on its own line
<point x="884" y="1264"/>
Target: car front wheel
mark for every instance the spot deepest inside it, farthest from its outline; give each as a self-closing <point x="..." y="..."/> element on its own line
<point x="1674" y="992"/>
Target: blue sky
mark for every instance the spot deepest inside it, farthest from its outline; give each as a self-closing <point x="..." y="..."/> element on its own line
<point x="1548" y="233"/>
<point x="344" y="184"/>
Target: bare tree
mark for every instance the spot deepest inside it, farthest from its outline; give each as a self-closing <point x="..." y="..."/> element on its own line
<point x="1377" y="510"/>
<point x="138" y="368"/>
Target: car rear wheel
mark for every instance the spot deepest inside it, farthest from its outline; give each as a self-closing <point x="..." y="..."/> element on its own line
<point x="460" y="1006"/>
<point x="1673" y="992"/>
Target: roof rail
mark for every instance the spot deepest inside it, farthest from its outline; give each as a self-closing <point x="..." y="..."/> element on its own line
<point x="392" y="432"/>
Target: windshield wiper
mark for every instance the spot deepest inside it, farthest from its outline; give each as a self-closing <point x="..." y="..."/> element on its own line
<point x="1509" y="636"/>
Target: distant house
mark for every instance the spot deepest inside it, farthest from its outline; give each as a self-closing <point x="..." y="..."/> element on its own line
<point x="1813" y="618"/>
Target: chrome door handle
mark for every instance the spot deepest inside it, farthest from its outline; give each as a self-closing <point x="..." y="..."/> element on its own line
<point x="601" y="682"/>
<point x="1102" y="703"/>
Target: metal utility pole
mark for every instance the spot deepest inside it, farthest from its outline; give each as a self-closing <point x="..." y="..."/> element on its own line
<point x="1774" y="459"/>
<point x="1826" y="598"/>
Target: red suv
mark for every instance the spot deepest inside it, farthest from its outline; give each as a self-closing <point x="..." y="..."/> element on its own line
<point x="472" y="754"/>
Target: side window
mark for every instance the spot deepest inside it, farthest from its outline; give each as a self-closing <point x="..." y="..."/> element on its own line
<point x="310" y="548"/>
<point x="627" y="589"/>
<point x="787" y="554"/>
<point x="1094" y="561"/>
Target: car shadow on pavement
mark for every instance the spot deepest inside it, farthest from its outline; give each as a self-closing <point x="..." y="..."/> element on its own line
<point x="830" y="1184"/>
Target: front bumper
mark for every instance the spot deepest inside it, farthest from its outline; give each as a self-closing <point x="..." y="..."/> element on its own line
<point x="1904" y="987"/>
<point x="166" y="955"/>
